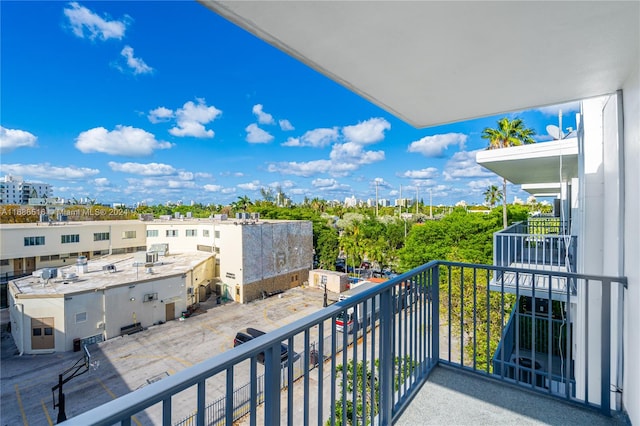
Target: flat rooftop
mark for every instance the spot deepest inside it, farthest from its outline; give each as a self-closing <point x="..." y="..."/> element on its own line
<point x="126" y="272"/>
<point x="180" y="221"/>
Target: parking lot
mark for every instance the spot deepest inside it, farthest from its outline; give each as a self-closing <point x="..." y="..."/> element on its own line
<point x="130" y="362"/>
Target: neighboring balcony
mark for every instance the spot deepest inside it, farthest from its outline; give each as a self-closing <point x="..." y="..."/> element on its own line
<point x="542" y="244"/>
<point x="430" y="335"/>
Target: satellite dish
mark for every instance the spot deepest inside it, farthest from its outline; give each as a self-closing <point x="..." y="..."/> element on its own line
<point x="554" y="131"/>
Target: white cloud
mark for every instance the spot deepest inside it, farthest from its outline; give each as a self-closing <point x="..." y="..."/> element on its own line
<point x="286" y="125"/>
<point x="250" y="186"/>
<point x="354" y="153"/>
<point x="185" y="175"/>
<point x="148" y="169"/>
<point x="366" y="132"/>
<point x="311" y="168"/>
<point x="136" y="64"/>
<point x="482" y="184"/>
<point x="428" y="173"/>
<point x="11" y="139"/>
<point x="436" y="145"/>
<point x="316" y="138"/>
<point x="463" y="165"/>
<point x="553" y="110"/>
<point x="160" y="114"/>
<point x="323" y="183"/>
<point x="101" y="182"/>
<point x="192" y="117"/>
<point x="256" y="135"/>
<point x="47" y="171"/>
<point x="212" y="188"/>
<point x="228" y="190"/>
<point x="82" y="19"/>
<point x="203" y="175"/>
<point x="263" y="117"/>
<point x="124" y="140"/>
<point x="157" y="184"/>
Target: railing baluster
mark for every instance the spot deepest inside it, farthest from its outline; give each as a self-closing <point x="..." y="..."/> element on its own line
<point x="320" y="359"/>
<point x="307" y="368"/>
<point x="229" y="396"/>
<point x="449" y="313"/>
<point x="435" y="314"/>
<point x="166" y="412"/>
<point x="386" y="357"/>
<point x="365" y="367"/>
<point x="334" y="340"/>
<point x="253" y="389"/>
<point x="289" y="364"/>
<point x="201" y="404"/>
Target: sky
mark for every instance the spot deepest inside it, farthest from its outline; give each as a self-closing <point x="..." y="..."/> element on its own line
<point x="155" y="102"/>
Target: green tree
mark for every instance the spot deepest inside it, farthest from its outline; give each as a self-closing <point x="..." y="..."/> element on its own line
<point x="403" y="367"/>
<point x="492" y="195"/>
<point x="508" y="133"/>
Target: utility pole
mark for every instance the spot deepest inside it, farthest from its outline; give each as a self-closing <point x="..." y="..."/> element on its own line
<point x="430" y="204"/>
<point x="417" y="195"/>
<point x="376" y="180"/>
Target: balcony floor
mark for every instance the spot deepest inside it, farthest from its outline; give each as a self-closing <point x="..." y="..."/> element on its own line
<point x="453" y="397"/>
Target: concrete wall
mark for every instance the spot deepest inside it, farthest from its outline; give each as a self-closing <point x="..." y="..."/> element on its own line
<point x="254" y="290"/>
<point x="90" y="303"/>
<point x="631" y="245"/>
<point x="336" y="282"/>
<point x="22" y="310"/>
<point x="183" y="243"/>
<point x="125" y="305"/>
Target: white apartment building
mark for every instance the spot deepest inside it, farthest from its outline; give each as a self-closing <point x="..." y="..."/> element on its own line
<point x="14" y="190"/>
<point x="25" y="247"/>
<point x="252" y="256"/>
<point x="91" y="301"/>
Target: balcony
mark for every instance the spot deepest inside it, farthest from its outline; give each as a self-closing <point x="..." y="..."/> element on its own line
<point x="438" y="326"/>
<point x="542" y="244"/>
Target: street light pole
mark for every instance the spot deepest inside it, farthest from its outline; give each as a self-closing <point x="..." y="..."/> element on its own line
<point x="430" y="204"/>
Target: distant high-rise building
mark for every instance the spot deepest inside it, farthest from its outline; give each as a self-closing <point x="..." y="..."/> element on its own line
<point x="350" y="201"/>
<point x="14" y="190"/>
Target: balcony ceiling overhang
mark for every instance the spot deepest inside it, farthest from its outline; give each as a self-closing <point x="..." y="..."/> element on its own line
<point x="539" y="163"/>
<point x="542" y="189"/>
<point x="433" y="62"/>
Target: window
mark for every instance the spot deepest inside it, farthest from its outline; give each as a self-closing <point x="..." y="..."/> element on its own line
<point x="37" y="332"/>
<point x="4" y="262"/>
<point x="192" y="232"/>
<point x="73" y="238"/>
<point x="217" y="250"/>
<point x="44" y="258"/>
<point x="55" y="257"/>
<point x="126" y="235"/>
<point x="33" y="241"/>
<point x="216" y="234"/>
<point x="48" y="331"/>
<point x="172" y="232"/>
<point x="205" y="232"/>
<point x="100" y="236"/>
<point x="81" y="317"/>
<point x="152" y="233"/>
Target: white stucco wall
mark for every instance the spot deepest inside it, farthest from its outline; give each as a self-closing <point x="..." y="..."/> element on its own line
<point x="121" y="310"/>
<point x="631" y="380"/>
<point x="89" y="303"/>
<point x="22" y="310"/>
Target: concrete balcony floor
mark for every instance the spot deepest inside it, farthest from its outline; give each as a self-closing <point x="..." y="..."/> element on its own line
<point x="454" y="397"/>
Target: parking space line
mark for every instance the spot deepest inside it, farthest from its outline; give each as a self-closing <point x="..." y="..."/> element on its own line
<point x="113" y="396"/>
<point x="46" y="412"/>
<point x="24" y="416"/>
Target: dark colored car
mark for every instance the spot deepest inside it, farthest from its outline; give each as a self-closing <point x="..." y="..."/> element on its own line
<point x="247" y="334"/>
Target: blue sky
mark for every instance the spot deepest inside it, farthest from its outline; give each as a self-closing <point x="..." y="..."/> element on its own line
<point x="166" y="101"/>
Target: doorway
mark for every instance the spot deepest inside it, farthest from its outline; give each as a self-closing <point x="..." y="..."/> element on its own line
<point x="42" y="333"/>
<point x="170" y="311"/>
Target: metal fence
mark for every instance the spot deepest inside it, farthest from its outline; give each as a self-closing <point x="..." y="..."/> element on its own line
<point x="440" y="313"/>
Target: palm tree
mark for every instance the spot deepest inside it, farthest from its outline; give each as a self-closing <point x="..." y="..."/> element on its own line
<point x="492" y="195"/>
<point x="508" y="133"/>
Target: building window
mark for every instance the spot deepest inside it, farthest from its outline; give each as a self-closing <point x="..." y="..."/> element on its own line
<point x="100" y="236"/>
<point x="152" y="233"/>
<point x="216" y="234"/>
<point x="192" y="232"/>
<point x="73" y="238"/>
<point x="81" y="317"/>
<point x="172" y="233"/>
<point x="217" y="250"/>
<point x="126" y="235"/>
<point x="44" y="258"/>
<point x="4" y="262"/>
<point x="205" y="232"/>
<point x="33" y="241"/>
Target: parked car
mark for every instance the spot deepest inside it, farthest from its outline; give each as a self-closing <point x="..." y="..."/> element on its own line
<point x="247" y="334"/>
